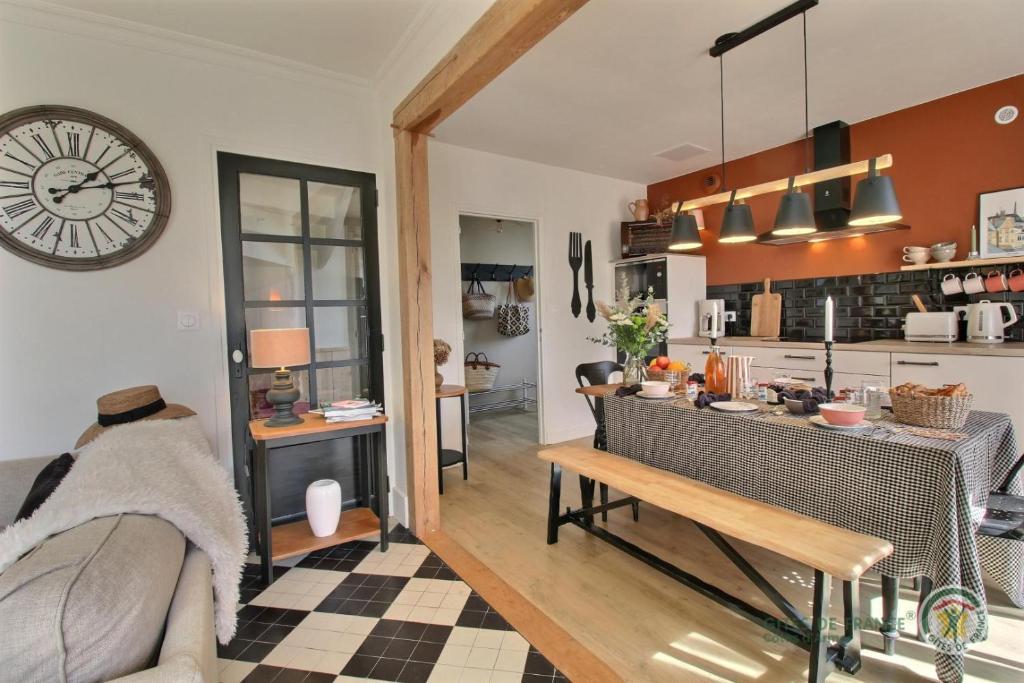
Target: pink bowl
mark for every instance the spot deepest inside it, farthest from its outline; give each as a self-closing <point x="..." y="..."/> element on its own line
<point x="842" y="414"/>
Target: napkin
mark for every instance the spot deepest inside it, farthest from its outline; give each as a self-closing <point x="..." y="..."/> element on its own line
<point x="810" y="399"/>
<point x="628" y="391"/>
<point x="706" y="398"/>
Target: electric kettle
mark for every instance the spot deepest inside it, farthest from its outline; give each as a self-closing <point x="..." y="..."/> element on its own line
<point x="985" y="321"/>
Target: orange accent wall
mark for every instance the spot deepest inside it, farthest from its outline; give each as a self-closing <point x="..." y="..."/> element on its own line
<point x="944" y="153"/>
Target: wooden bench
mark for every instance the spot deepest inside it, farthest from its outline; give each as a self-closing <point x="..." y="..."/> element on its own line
<point x="830" y="550"/>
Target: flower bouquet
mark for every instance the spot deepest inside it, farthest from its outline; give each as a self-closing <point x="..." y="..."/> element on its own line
<point x="635" y="325"/>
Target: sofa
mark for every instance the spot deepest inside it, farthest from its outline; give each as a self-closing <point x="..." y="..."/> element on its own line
<point x="123" y="598"/>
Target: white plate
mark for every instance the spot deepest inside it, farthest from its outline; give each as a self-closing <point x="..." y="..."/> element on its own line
<point x="819" y="421"/>
<point x="734" y="406"/>
<point x="656" y="397"/>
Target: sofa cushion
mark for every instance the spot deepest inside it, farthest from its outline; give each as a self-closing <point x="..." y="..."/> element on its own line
<point x="89" y="604"/>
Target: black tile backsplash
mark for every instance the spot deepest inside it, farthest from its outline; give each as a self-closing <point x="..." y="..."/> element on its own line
<point x="867" y="306"/>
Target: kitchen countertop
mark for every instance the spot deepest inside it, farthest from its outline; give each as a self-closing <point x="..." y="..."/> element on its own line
<point x="1012" y="349"/>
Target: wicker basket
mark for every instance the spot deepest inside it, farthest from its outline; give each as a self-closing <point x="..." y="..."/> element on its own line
<point x="477" y="304"/>
<point x="480" y="372"/>
<point x="941" y="412"/>
<point x="679" y="376"/>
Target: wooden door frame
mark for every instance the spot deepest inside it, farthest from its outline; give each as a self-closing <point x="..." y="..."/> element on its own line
<point x="506" y="31"/>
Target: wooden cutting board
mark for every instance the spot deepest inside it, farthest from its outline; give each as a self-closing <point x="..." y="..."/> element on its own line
<point x="766" y="313"/>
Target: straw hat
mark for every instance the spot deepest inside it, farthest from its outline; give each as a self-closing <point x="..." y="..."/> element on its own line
<point x="131" y="405"/>
<point x="524" y="288"/>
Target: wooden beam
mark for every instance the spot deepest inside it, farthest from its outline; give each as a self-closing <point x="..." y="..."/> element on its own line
<point x="507" y="30"/>
<point x="414" y="283"/>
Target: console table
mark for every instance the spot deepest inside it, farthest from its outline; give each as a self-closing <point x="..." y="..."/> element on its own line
<point x="296" y="538"/>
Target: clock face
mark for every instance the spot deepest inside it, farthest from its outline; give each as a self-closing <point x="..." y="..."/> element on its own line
<point x="77" y="190"/>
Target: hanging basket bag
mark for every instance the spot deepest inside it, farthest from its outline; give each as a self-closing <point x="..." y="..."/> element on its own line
<point x="476" y="303"/>
<point x="480" y="372"/>
<point x="513" y="317"/>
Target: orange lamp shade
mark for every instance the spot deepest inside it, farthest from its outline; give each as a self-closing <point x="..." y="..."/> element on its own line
<point x="279" y="348"/>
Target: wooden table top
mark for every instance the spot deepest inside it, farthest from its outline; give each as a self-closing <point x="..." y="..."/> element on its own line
<point x="450" y="391"/>
<point x="312" y="423"/>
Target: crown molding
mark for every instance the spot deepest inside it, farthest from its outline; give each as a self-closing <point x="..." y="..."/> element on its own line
<point x="49" y="16"/>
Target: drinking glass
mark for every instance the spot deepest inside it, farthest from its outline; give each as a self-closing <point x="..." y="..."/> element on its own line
<point x="871" y="390"/>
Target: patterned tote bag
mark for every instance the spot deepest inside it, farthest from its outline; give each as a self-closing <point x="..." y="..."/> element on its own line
<point x="513" y="317"/>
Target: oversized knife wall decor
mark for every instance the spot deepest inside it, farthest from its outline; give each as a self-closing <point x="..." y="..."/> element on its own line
<point x="588" y="279"/>
<point x="575" y="261"/>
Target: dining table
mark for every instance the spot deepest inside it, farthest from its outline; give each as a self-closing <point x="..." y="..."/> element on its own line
<point x="924" y="493"/>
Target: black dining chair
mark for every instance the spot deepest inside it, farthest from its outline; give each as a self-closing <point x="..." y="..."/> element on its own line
<point x="599" y="373"/>
<point x="1004" y="513"/>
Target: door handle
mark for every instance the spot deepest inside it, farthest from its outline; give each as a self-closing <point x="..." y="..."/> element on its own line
<point x="930" y="364"/>
<point x="237" y="356"/>
<point x="795" y="357"/>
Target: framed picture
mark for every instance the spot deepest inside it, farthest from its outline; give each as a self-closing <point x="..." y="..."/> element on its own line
<point x="1001" y="223"/>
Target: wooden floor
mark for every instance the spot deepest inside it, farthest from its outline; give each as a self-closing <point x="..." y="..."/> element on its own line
<point x="645" y="626"/>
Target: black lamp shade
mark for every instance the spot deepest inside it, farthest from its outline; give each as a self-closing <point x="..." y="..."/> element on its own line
<point x="737" y="225"/>
<point x="794" y="216"/>
<point x="875" y="202"/>
<point x="684" y="233"/>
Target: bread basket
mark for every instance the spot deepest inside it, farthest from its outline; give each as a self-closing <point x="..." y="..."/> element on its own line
<point x="940" y="412"/>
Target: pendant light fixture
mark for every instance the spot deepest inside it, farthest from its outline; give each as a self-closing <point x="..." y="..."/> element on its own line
<point x="875" y="201"/>
<point x="738" y="221"/>
<point x="685" y="235"/>
<point x="795" y="216"/>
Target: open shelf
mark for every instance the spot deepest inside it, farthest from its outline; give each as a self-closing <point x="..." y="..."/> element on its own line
<point x="1002" y="260"/>
<point x="296" y="538"/>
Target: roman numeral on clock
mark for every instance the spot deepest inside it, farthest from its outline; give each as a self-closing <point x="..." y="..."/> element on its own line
<point x="16" y="209"/>
<point x="137" y="196"/>
<point x="121" y="174"/>
<point x="74" y="237"/>
<point x="15" y="184"/>
<point x="43" y="147"/>
<point x="126" y="216"/>
<point x="73" y="145"/>
<point x="43" y="228"/>
<point x="19" y="160"/>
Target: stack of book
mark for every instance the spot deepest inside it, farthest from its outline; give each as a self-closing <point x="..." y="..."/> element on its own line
<point x="349" y="411"/>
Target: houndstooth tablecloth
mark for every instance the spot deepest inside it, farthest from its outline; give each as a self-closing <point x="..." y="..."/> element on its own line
<point x="926" y="496"/>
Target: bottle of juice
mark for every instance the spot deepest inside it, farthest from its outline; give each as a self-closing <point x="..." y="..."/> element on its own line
<point x="715" y="380"/>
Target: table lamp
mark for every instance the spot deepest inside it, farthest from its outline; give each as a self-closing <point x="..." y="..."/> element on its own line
<point x="282" y="349"/>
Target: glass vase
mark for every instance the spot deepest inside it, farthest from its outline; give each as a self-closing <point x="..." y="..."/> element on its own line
<point x="634" y="370"/>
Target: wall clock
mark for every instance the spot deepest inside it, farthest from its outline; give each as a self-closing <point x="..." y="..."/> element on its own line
<point x="77" y="190"/>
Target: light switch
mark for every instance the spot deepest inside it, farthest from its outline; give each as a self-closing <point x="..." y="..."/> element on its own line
<point x="188" y="320"/>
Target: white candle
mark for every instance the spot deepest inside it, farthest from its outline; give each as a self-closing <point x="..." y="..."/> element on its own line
<point x="828" y="319"/>
<point x="714" y="319"/>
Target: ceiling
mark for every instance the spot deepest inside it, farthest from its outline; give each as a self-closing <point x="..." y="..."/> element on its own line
<point x="354" y="38"/>
<point x="624" y="80"/>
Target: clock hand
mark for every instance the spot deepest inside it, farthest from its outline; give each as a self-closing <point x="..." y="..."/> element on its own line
<point x="89" y="177"/>
<point x="75" y="189"/>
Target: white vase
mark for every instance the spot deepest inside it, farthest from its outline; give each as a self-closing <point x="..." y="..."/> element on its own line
<point x="323" y="506"/>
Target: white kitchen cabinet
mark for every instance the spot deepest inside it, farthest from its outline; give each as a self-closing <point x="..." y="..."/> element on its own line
<point x="997" y="382"/>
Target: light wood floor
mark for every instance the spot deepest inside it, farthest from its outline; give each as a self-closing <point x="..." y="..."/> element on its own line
<point x="645" y="626"/>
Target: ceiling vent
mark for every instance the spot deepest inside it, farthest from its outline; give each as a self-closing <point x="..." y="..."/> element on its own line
<point x="683" y="152"/>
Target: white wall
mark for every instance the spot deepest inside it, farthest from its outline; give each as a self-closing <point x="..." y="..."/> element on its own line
<point x="68" y="337"/>
<point x="558" y="201"/>
<point x="514" y="246"/>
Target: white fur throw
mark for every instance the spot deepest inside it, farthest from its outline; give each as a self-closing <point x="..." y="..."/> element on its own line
<point x="152" y="467"/>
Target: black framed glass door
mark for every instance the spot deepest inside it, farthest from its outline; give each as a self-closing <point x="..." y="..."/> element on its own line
<point x="300" y="250"/>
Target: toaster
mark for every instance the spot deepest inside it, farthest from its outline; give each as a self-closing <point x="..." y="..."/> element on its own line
<point x="930" y="327"/>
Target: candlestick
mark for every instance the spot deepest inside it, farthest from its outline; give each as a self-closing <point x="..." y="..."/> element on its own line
<point x="828" y="370"/>
<point x="828" y="320"/>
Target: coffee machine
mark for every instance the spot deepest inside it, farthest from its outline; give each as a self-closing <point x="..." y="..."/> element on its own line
<point x="711" y="318"/>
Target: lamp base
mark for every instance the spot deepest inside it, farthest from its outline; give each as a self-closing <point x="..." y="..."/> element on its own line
<point x="283" y="395"/>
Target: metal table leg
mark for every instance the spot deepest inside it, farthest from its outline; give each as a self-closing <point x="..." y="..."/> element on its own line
<point x="440" y="471"/>
<point x="465" y="451"/>
<point x="890" y="613"/>
<point x="379" y="449"/>
<point x="554" y="493"/>
<point x="261" y="508"/>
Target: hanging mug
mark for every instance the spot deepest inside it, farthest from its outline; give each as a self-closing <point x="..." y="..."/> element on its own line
<point x="995" y="282"/>
<point x="973" y="283"/>
<point x="1017" y="280"/>
<point x="951" y="285"/>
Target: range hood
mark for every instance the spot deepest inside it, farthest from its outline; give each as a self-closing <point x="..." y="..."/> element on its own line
<point x="831" y="197"/>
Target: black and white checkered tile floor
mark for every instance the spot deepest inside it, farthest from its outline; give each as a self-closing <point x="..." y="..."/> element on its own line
<point x="350" y="613"/>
